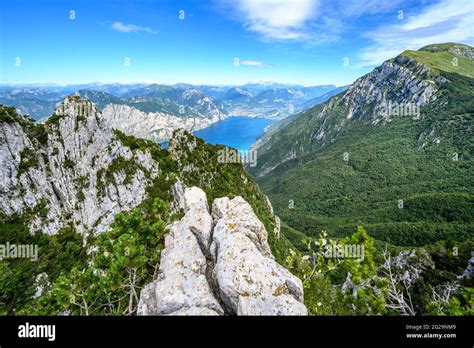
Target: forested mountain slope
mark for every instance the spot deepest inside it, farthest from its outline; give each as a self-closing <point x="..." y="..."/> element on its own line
<point x="393" y="153"/>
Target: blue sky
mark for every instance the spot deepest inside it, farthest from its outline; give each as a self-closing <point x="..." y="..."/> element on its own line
<point x="218" y="41"/>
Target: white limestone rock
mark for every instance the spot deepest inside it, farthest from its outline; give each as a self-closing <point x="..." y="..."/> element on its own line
<point x="238" y="216"/>
<point x="219" y="265"/>
<point x="182" y="287"/>
<point x="157" y="126"/>
<point x="250" y="281"/>
<point x="66" y="178"/>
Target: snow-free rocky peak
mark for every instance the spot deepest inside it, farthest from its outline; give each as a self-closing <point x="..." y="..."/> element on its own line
<point x="76" y="173"/>
<point x="401" y="87"/>
<point x="219" y="264"/>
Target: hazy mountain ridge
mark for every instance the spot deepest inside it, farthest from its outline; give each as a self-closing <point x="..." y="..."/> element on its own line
<point x="276" y="102"/>
<point x="178" y="100"/>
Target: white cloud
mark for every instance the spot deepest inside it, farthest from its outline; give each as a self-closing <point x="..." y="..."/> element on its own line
<point x="310" y="21"/>
<point x="275" y="19"/>
<point x="446" y="21"/>
<point x="129" y="28"/>
<point x="254" y="63"/>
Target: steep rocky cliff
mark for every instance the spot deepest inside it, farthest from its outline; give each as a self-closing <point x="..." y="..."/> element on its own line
<point x="155" y="112"/>
<point x="158" y="126"/>
<point x="73" y="170"/>
<point x="402" y="81"/>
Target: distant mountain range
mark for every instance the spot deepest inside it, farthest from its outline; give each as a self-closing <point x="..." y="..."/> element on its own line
<point x="183" y="103"/>
<point x="273" y="101"/>
<point x="265" y="99"/>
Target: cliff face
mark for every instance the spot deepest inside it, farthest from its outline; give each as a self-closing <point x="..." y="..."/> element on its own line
<point x="402" y="87"/>
<point x="156" y="126"/>
<point x="78" y="170"/>
<point x="401" y="81"/>
<point x="219" y="263"/>
<point x="151" y="113"/>
<point x="73" y="176"/>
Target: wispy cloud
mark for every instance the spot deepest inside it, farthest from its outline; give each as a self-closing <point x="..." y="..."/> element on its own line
<point x="310" y="21"/>
<point x="274" y="19"/>
<point x="254" y="63"/>
<point x="356" y="8"/>
<point x="130" y="28"/>
<point x="445" y="21"/>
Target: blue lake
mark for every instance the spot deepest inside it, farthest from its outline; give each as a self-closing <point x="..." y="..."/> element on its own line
<point x="235" y="131"/>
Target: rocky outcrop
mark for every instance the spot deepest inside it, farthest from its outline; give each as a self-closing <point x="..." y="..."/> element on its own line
<point x="157" y="126"/>
<point x="398" y="81"/>
<point x="457" y="49"/>
<point x="250" y="281"/>
<point x="76" y="171"/>
<point x="182" y="286"/>
<point x="469" y="271"/>
<point x="400" y="87"/>
<point x="220" y="264"/>
<point x="81" y="175"/>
